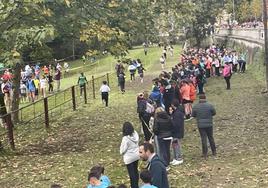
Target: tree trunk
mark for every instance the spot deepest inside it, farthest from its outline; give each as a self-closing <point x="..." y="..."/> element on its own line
<point x="15" y="101"/>
<point x="3" y="111"/>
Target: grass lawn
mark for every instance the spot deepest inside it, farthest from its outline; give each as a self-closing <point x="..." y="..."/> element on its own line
<point x="92" y="135"/>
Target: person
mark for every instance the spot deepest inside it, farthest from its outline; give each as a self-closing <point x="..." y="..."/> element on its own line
<point x="37" y="87"/>
<point x="168" y="94"/>
<point x="156" y="166"/>
<point x="84" y="59"/>
<point x="146" y="178"/>
<point x="204" y="112"/>
<point x="121" y="81"/>
<point x="66" y="68"/>
<point x="103" y="178"/>
<point x="132" y="70"/>
<point x="43" y="85"/>
<point x="94" y="181"/>
<point x="31" y="88"/>
<point x="185" y="94"/>
<point x="227" y="75"/>
<point x="129" y="148"/>
<point x="57" y="78"/>
<point x="50" y="83"/>
<point x="141" y="70"/>
<point x="162" y="128"/>
<point x="23" y="91"/>
<point x="162" y="62"/>
<point x="177" y="118"/>
<point x="6" y="90"/>
<point x="105" y="89"/>
<point x="82" y="81"/>
<point x="144" y="116"/>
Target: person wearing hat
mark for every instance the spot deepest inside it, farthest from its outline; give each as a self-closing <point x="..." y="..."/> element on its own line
<point x="204" y="112"/>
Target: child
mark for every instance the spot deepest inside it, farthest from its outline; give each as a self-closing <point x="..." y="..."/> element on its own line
<point x="23" y="91"/>
<point x="94" y="181"/>
<point x="105" y="89"/>
<point x="146" y="177"/>
<point x="37" y="86"/>
<point x="43" y="85"/>
<point x="103" y="178"/>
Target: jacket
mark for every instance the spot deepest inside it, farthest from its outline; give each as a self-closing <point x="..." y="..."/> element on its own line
<point x="158" y="172"/>
<point x="162" y="125"/>
<point x="177" y="119"/>
<point x="129" y="148"/>
<point x="204" y="112"/>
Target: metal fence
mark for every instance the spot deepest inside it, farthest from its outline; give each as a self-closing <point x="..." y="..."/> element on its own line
<point x="38" y="115"/>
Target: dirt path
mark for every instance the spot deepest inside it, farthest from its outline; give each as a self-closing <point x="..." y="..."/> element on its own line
<point x="89" y="137"/>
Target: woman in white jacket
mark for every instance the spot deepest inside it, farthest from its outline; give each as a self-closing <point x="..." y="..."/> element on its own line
<point x="130" y="150"/>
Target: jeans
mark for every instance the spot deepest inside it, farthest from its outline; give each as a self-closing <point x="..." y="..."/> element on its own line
<point x="176" y="146"/>
<point x="133" y="173"/>
<point x="200" y="88"/>
<point x="207" y="133"/>
<point x="164" y="150"/>
<point x="227" y="80"/>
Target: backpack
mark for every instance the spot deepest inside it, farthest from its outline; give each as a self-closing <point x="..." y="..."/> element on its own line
<point x="149" y="108"/>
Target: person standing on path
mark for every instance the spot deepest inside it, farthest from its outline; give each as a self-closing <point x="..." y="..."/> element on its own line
<point x="177" y="118"/>
<point x="82" y="81"/>
<point x="105" y="89"/>
<point x="156" y="166"/>
<point x="204" y="112"/>
<point x="129" y="148"/>
<point x="57" y="78"/>
<point x="163" y="128"/>
<point x="227" y="73"/>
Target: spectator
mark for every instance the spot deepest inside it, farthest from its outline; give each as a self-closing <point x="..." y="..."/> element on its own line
<point x="204" y="112"/>
<point x="227" y="73"/>
<point x="156" y="166"/>
<point x="146" y="179"/>
<point x="57" y="78"/>
<point x="163" y="130"/>
<point x="130" y="150"/>
<point x="43" y="85"/>
<point x="100" y="170"/>
<point x="50" y="83"/>
<point x="94" y="181"/>
<point x="177" y="118"/>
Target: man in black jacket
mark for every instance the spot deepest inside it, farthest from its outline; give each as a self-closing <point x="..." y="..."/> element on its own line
<point x="156" y="166"/>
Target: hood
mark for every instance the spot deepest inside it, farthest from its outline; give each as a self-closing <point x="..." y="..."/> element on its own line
<point x="163" y="115"/>
<point x="134" y="137"/>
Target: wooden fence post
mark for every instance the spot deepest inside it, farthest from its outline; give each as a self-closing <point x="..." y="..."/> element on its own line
<point x="85" y="94"/>
<point x="9" y="125"/>
<point x="93" y="87"/>
<point x="46" y="112"/>
<point x="73" y="98"/>
<point x="108" y="81"/>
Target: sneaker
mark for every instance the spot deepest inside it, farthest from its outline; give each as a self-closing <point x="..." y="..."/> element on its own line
<point x="167" y="168"/>
<point x="178" y="162"/>
<point x="173" y="161"/>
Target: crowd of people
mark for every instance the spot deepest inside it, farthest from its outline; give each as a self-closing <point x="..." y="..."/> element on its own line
<point x="35" y="81"/>
<point x="163" y="111"/>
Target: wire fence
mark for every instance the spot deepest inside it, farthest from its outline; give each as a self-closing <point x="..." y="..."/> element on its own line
<point x="40" y="114"/>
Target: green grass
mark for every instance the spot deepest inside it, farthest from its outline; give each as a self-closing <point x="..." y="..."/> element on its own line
<point x="91" y="135"/>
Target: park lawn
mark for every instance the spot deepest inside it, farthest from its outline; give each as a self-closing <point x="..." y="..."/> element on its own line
<point x="92" y="135"/>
